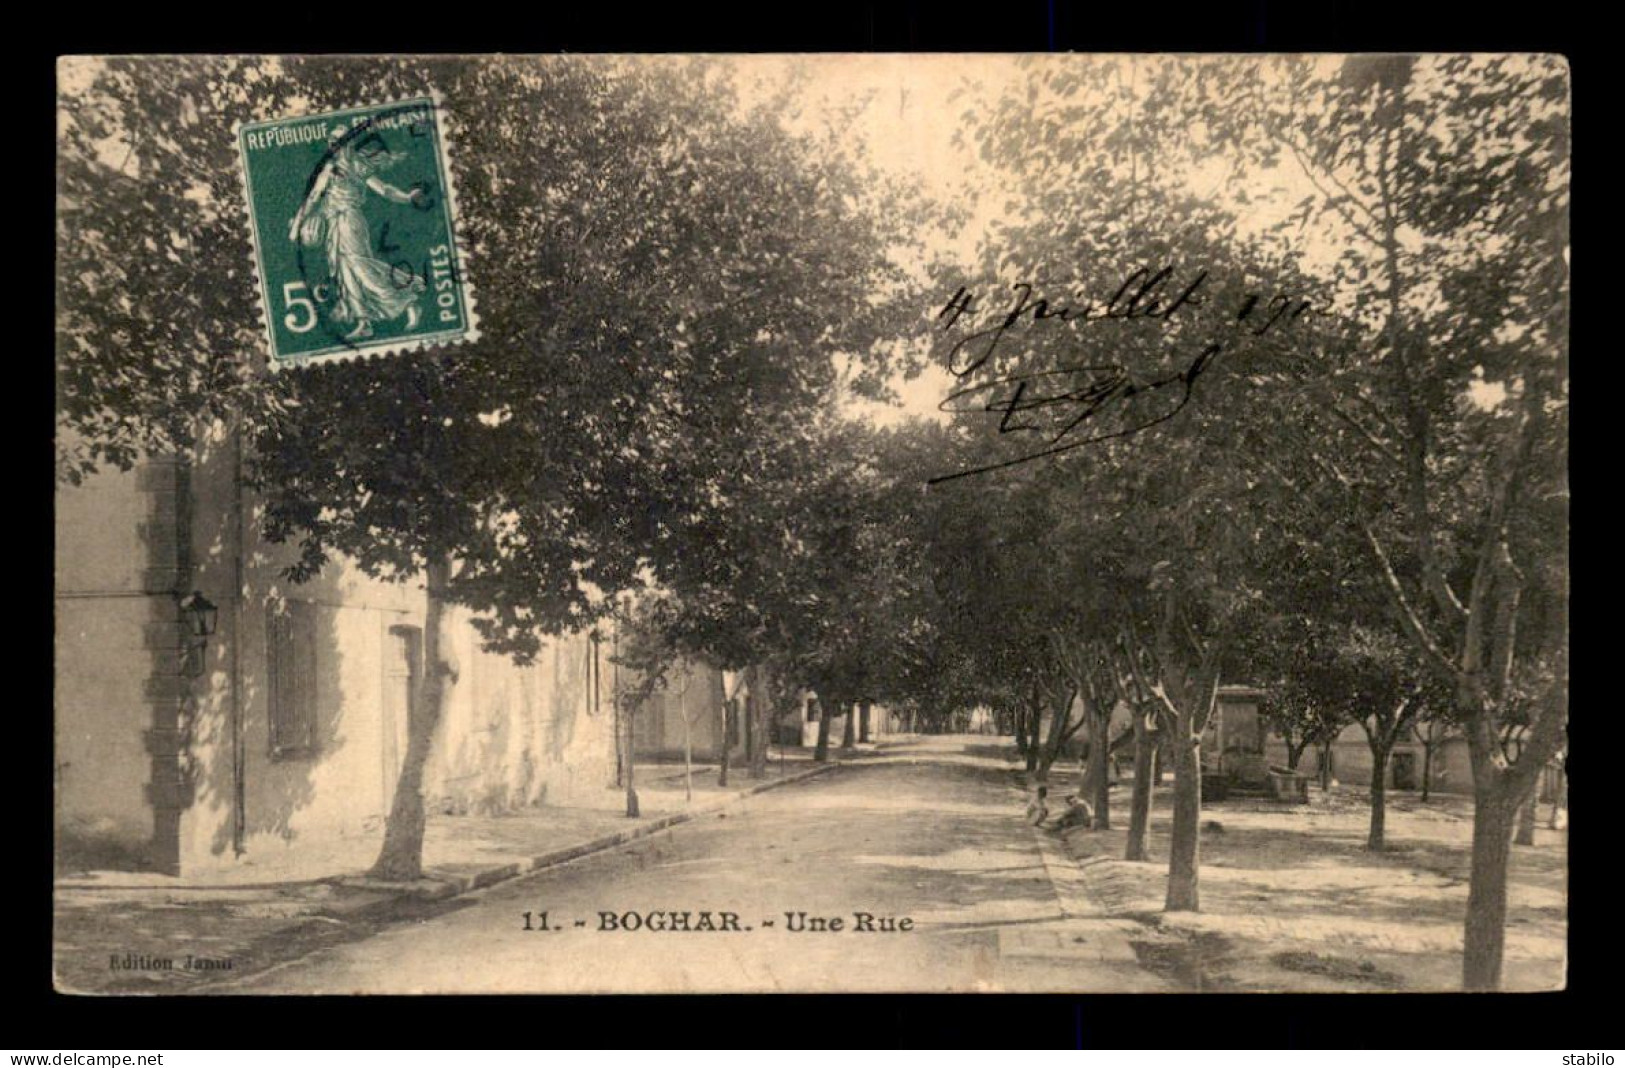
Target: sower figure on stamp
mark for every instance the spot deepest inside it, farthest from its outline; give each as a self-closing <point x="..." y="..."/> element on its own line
<point x="332" y="218"/>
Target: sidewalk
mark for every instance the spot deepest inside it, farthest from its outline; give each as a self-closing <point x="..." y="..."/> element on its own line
<point x="255" y="916"/>
<point x="1292" y="901"/>
<point x="1103" y="947"/>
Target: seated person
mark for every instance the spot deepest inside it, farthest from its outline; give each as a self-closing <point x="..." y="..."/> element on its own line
<point x="1078" y="814"/>
<point x="1037" y="809"/>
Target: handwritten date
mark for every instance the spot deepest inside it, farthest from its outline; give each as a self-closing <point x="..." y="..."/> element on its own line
<point x="1070" y="405"/>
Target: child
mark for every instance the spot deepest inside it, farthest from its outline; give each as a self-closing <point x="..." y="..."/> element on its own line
<point x="1037" y="810"/>
<point x="1078" y="814"/>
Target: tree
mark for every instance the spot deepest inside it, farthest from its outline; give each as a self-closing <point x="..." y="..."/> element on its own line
<point x="1139" y="819"/>
<point x="1088" y="666"/>
<point x="1141" y="378"/>
<point x="679" y="688"/>
<point x="156" y="318"/>
<point x="589" y="435"/>
<point x="1301" y="725"/>
<point x="1514" y="733"/>
<point x="1560" y="797"/>
<point x="1429" y="416"/>
<point x="668" y="397"/>
<point x="730" y="717"/>
<point x="1001" y="606"/>
<point x="651" y="663"/>
<point x="1273" y="649"/>
<point x="820" y="586"/>
<point x="1431" y="731"/>
<point x="1444" y="432"/>
<point x="1368" y="676"/>
<point x="1181" y="669"/>
<point x="773" y="696"/>
<point x="654" y="666"/>
<point x="1149" y="544"/>
<point x="1340" y="659"/>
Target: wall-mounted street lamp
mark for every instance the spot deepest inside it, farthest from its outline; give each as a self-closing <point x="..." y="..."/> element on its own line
<point x="200" y="617"/>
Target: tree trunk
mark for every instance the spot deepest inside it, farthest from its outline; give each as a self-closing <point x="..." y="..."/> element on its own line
<point x="727" y="741"/>
<point x="758" y="706"/>
<point x="631" y="715"/>
<point x="1184" y="849"/>
<point x="401" y="857"/>
<point x="1379" y="799"/>
<point x="865" y="709"/>
<point x="1049" y="743"/>
<point x="1525" y="834"/>
<point x="1498" y="793"/>
<point x="688" y="759"/>
<point x="1427" y="765"/>
<point x="1100" y="750"/>
<point x="1139" y="814"/>
<point x="1325" y="765"/>
<point x="849" y="735"/>
<point x="821" y="753"/>
<point x="620" y="740"/>
<point x="1030" y="719"/>
<point x="1560" y="799"/>
<point x="1294" y="753"/>
<point x="1487" y="891"/>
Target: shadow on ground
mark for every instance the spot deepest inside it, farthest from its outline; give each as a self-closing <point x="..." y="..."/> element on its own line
<point x="1293" y="900"/>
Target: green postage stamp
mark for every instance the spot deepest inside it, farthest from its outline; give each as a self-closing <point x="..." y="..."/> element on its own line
<point x="354" y="224"/>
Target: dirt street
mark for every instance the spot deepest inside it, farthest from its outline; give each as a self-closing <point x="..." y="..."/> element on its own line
<point x="918" y="856"/>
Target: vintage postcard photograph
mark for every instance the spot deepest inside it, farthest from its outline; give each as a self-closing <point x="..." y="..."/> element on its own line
<point x="811" y="524"/>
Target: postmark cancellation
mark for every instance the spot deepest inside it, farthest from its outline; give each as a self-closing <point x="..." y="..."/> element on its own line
<point x="354" y="225"/>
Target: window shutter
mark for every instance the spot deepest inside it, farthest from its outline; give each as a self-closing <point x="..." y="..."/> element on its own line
<point x="292" y="633"/>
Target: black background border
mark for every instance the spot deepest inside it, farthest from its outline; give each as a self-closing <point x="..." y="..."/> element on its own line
<point x="59" y="1022"/>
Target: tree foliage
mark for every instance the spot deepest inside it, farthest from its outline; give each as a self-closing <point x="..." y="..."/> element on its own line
<point x="663" y="275"/>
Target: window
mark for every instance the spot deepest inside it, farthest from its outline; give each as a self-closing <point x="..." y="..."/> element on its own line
<point x="291" y="648"/>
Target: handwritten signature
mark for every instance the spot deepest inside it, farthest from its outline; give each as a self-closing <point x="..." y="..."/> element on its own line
<point x="1066" y="405"/>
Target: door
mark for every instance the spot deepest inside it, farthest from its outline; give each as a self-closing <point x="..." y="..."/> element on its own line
<point x="1404" y="770"/>
<point x="402" y="657"/>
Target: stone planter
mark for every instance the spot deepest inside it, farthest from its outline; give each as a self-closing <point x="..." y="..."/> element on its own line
<point x="1289" y="786"/>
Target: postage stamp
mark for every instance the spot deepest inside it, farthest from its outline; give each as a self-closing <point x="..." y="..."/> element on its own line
<point x="354" y="225"/>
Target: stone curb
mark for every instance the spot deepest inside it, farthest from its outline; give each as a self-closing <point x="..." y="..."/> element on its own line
<point x="386" y="895"/>
<point x="376" y="898"/>
<point x="434" y="887"/>
<point x="1093" y="931"/>
<point x="1075" y="892"/>
<point x="1079" y="882"/>
<point x="440" y="887"/>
